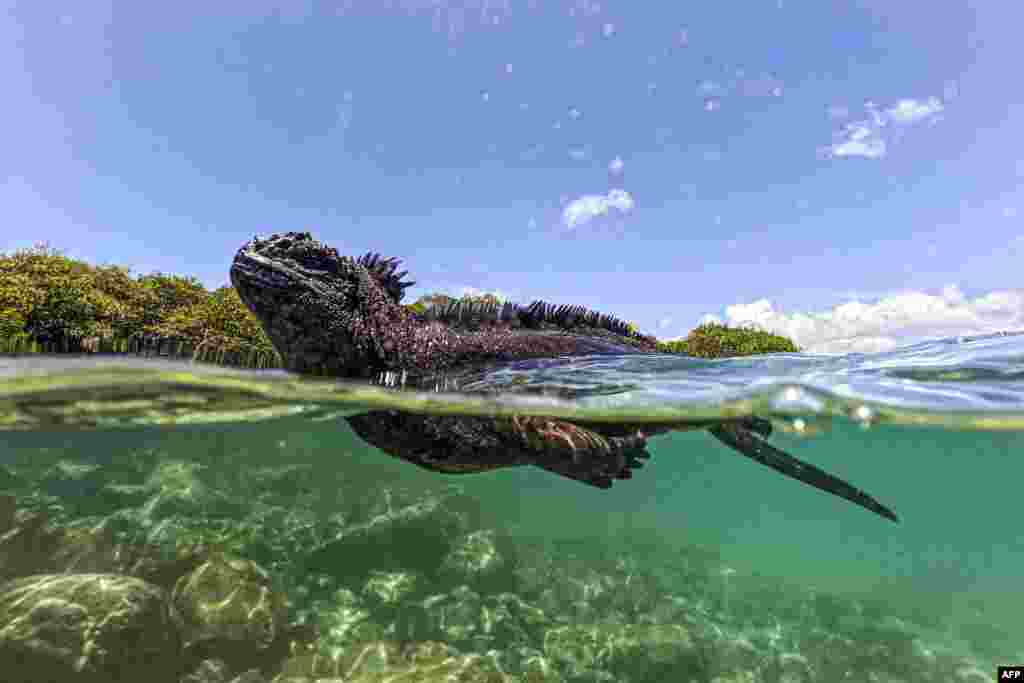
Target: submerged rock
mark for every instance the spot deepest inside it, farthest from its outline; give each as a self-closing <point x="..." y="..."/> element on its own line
<point x="87" y="628"/>
<point x="30" y="544"/>
<point x="468" y="619"/>
<point x="229" y="607"/>
<point x="390" y="588"/>
<point x="628" y="652"/>
<point x="414" y="535"/>
<point x="208" y="671"/>
<point x="794" y="668"/>
<point x="483" y="559"/>
<point x="391" y="662"/>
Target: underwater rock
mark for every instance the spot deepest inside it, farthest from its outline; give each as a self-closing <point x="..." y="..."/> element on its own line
<point x="390" y="588"/>
<point x="834" y="611"/>
<point x="250" y="676"/>
<point x="9" y="481"/>
<point x="669" y="609"/>
<point x="208" y="671"/>
<point x="176" y="490"/>
<point x="971" y="674"/>
<point x="344" y="619"/>
<point x="455" y="616"/>
<point x="887" y="650"/>
<point x="737" y="677"/>
<point x="228" y="605"/>
<point x="230" y="611"/>
<point x="162" y="569"/>
<point x="533" y="666"/>
<point x="87" y="628"/>
<point x="794" y="668"/>
<point x="466" y="619"/>
<point x="574" y="590"/>
<point x="736" y="655"/>
<point x="29" y="545"/>
<point x="68" y="479"/>
<point x="415" y="536"/>
<point x="482" y="559"/>
<point x="630" y="653"/>
<point x="217" y="671"/>
<point x="390" y="662"/>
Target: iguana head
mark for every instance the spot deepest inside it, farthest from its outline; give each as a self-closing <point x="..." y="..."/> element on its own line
<point x="324" y="313"/>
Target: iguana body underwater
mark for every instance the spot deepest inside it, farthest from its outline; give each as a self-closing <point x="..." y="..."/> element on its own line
<point x="334" y="315"/>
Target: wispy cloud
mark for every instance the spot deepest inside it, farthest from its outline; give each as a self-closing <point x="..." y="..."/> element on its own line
<point x="584" y="209"/>
<point x="912" y="111"/>
<point x="859" y="140"/>
<point x="886" y="323"/>
<point x="870" y="137"/>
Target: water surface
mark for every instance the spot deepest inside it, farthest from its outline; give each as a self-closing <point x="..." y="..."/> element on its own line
<point x="935" y="430"/>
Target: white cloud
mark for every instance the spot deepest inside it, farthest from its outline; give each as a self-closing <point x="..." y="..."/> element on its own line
<point x="868" y="137"/>
<point x="616" y="165"/>
<point x="582" y="210"/>
<point x="892" y="321"/>
<point x="912" y="111"/>
<point x="859" y="140"/>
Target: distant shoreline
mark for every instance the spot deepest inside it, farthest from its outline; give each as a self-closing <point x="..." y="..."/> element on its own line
<point x="50" y="303"/>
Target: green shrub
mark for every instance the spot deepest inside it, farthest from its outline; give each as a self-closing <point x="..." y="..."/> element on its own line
<point x="219" y="327"/>
<point x="50" y="302"/>
<point x="713" y="340"/>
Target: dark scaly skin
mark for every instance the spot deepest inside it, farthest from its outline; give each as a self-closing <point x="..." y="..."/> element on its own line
<point x="333" y="315"/>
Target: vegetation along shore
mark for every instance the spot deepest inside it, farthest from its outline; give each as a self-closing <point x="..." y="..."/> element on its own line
<point x="52" y="303"/>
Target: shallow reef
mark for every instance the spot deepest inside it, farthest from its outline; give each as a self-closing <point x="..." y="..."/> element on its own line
<point x="142" y="566"/>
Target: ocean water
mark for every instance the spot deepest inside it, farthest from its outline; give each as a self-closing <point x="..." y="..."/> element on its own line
<point x="704" y="566"/>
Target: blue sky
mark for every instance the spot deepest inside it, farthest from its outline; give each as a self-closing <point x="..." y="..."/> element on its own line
<point x="847" y="172"/>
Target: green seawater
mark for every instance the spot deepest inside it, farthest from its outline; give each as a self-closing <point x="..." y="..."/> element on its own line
<point x="264" y="467"/>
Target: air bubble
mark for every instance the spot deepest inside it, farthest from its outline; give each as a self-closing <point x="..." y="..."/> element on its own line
<point x="865" y="416"/>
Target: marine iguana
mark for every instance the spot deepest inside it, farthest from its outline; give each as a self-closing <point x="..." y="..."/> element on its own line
<point x="334" y="315"/>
